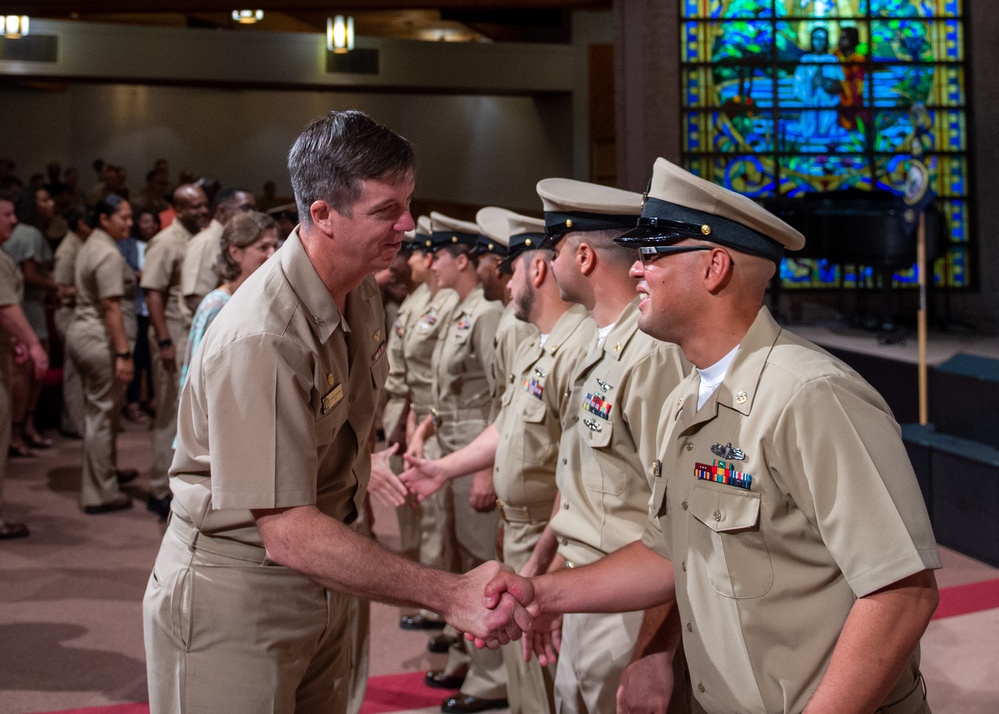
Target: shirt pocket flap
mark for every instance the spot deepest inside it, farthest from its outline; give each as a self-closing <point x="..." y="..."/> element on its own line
<point x="725" y="510"/>
<point x="596" y="431"/>
<point x="534" y="409"/>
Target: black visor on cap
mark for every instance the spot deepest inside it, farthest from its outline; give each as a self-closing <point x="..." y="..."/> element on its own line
<point x="663" y="223"/>
<point x="442" y="239"/>
<point x="485" y="244"/>
<point x="522" y="243"/>
<point x="558" y="223"/>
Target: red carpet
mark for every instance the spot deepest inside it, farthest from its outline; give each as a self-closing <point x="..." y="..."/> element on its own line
<point x="965" y="599"/>
<point x="394" y="692"/>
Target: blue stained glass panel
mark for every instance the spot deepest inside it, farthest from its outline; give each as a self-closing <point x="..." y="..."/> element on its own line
<point x="916" y="8"/>
<point x="900" y="40"/>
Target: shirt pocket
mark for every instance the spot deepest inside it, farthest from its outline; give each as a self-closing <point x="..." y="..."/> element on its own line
<point x="536" y="448"/>
<point x="380" y="369"/>
<point x="606" y="472"/>
<point x="725" y="538"/>
<point x="327" y="425"/>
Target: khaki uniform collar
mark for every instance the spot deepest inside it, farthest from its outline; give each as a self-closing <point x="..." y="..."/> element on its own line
<point x="564" y="328"/>
<point x="309" y="287"/>
<point x="476" y="296"/>
<point x="623" y="331"/>
<point x="738" y="389"/>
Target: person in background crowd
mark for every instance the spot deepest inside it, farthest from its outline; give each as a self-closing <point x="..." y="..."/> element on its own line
<point x="64" y="273"/>
<point x="18" y="342"/>
<point x="31" y="252"/>
<point x="99" y="341"/>
<point x="248" y="240"/>
<point x="145" y="225"/>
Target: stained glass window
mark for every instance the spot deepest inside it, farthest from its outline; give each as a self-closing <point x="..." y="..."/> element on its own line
<point x="786" y="97"/>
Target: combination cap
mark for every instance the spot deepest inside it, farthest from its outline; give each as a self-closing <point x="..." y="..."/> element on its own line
<point x="680" y="205"/>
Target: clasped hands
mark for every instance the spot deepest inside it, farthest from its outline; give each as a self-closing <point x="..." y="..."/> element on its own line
<point x="421" y="478"/>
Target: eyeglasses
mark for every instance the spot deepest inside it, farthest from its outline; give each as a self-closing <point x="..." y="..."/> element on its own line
<point x="650" y="254"/>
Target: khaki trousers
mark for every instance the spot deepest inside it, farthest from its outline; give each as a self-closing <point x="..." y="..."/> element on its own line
<point x="88" y="348"/>
<point x="167" y="389"/>
<point x="73" y="408"/>
<point x="531" y="687"/>
<point x="227" y="631"/>
<point x="437" y="547"/>
<point x="595" y="650"/>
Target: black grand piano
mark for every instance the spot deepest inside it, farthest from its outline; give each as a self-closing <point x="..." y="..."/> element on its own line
<point x="861" y="228"/>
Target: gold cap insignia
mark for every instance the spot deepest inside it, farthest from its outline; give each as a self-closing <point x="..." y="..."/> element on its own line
<point x="706" y="229"/>
<point x="568" y="223"/>
<point x="528" y="242"/>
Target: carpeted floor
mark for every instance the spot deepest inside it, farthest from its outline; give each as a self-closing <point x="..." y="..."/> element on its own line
<point x="71" y="628"/>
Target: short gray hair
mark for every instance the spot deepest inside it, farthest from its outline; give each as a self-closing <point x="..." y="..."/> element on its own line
<point x="338" y="151"/>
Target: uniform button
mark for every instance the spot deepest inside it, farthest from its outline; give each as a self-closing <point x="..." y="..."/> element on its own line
<point x="683" y="505"/>
<point x="690" y="628"/>
<point x="565" y="505"/>
<point x="565" y="460"/>
<point x="575" y="418"/>
<point x="683" y="566"/>
<point x="690" y="446"/>
<point x="565" y="541"/>
<point x="700" y="687"/>
<point x="350" y="399"/>
<point x="717" y="515"/>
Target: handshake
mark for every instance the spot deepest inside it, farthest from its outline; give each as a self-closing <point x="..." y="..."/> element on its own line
<point x="422" y="478"/>
<point x="493" y="605"/>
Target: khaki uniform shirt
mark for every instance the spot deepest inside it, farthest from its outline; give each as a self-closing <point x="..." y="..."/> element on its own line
<point x="395" y="386"/>
<point x="462" y="367"/>
<point x="510" y="335"/>
<point x="11" y="293"/>
<point x="419" y="345"/>
<point x="65" y="258"/>
<point x="609" y="438"/>
<point x="164" y="259"/>
<point x="530" y="423"/>
<point x="197" y="272"/>
<point x="101" y="272"/>
<point x="786" y="497"/>
<point x="279" y="402"/>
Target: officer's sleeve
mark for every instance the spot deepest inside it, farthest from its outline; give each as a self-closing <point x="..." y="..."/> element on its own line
<point x="156" y="273"/>
<point x="261" y="423"/>
<point x="839" y="455"/>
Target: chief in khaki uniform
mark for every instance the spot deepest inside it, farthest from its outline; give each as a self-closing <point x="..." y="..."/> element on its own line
<point x="786" y="520"/>
<point x="523" y="441"/>
<point x="64" y="273"/>
<point x="249" y="604"/>
<point x="609" y="425"/>
<point x="99" y="342"/>
<point x="462" y="403"/>
<point x="492" y="250"/>
<point x="171" y="323"/>
<point x="14" y="327"/>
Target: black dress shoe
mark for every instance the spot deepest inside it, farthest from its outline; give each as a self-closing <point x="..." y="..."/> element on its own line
<point x="9" y="531"/>
<point x="441" y="643"/>
<point x="443" y="680"/>
<point x="118" y="503"/>
<point x="126" y="475"/>
<point x="159" y="506"/>
<point x="463" y="703"/>
<point x="419" y="622"/>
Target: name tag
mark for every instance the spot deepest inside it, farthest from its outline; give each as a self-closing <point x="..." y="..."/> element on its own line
<point x="333" y="398"/>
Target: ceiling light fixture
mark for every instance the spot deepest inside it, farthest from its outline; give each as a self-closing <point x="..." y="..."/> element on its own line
<point x="247" y="17"/>
<point x="15" y="26"/>
<point x="339" y="34"/>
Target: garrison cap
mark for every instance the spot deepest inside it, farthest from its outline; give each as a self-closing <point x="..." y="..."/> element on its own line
<point x="680" y="205"/>
<point x="518" y="233"/>
<point x="450" y="231"/>
<point x="572" y="205"/>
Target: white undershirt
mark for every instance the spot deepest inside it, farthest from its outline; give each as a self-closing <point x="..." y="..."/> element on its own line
<point x="712" y="376"/>
<point x="544" y="339"/>
<point x="603" y="332"/>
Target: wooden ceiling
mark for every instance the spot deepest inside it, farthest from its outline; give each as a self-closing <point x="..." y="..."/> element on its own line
<point x="445" y="20"/>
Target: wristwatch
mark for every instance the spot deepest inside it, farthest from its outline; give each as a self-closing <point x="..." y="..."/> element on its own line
<point x="164" y="344"/>
<point x="123" y="355"/>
